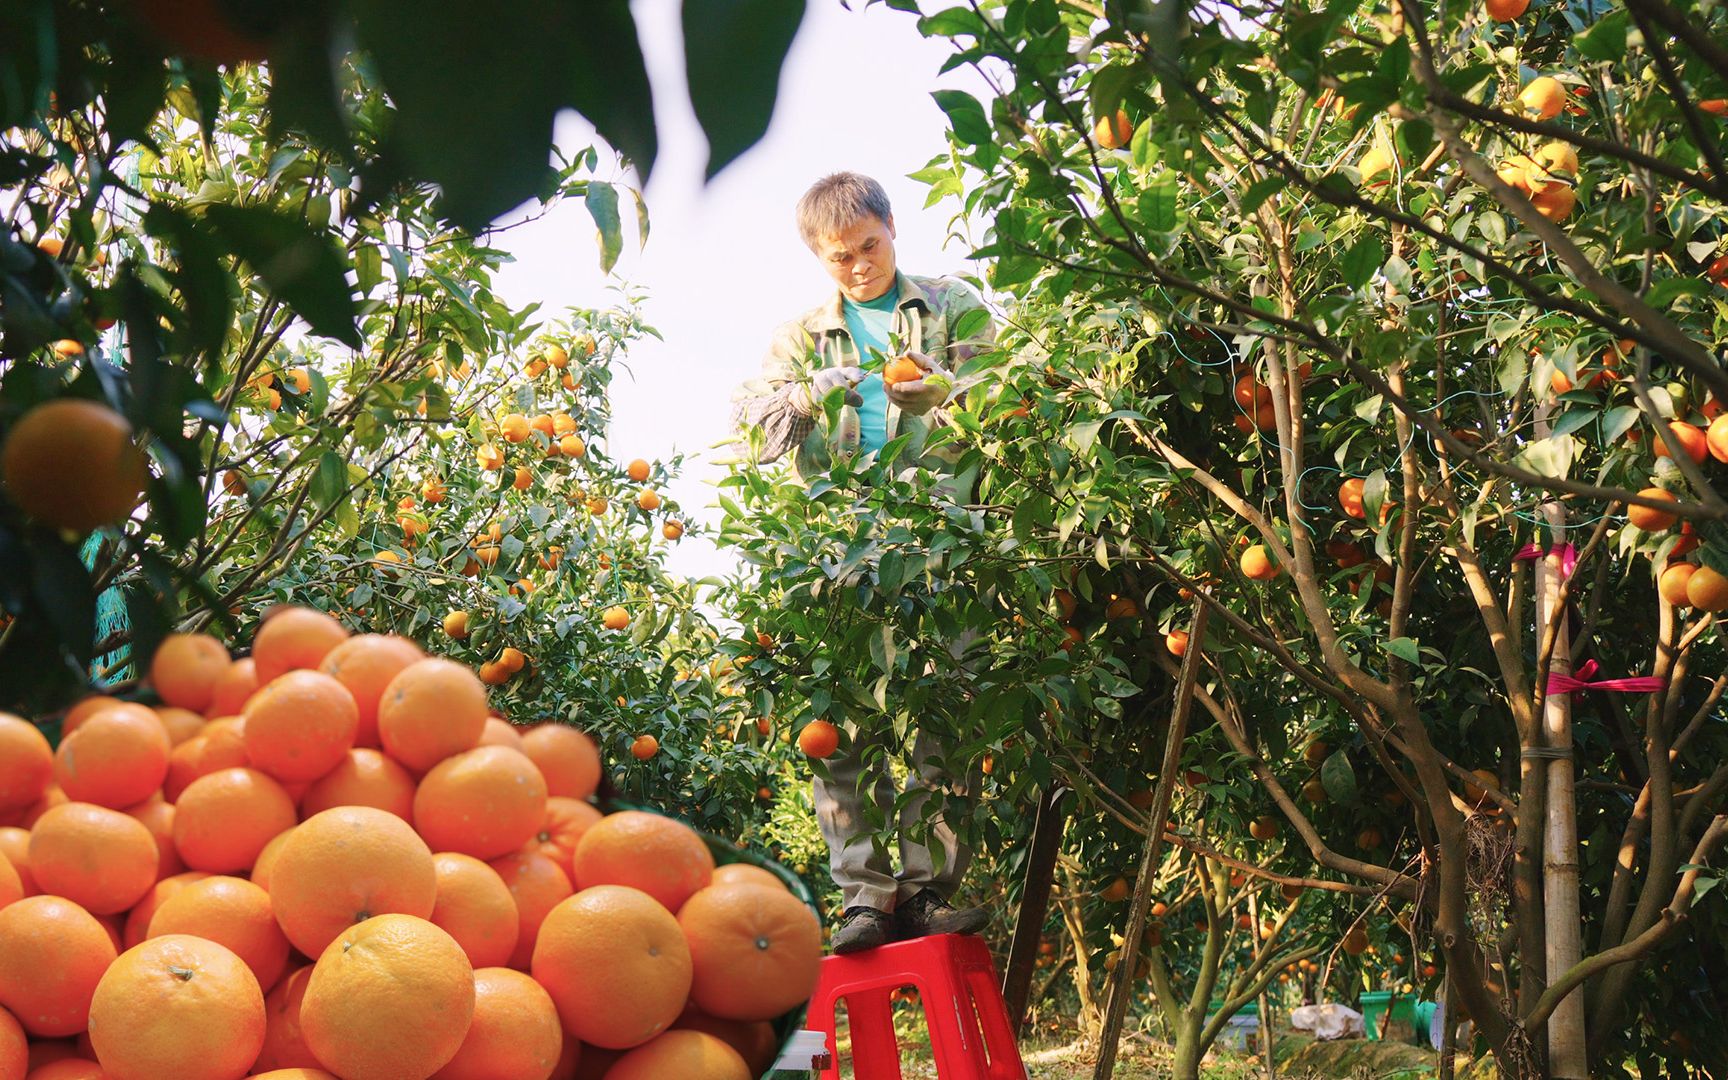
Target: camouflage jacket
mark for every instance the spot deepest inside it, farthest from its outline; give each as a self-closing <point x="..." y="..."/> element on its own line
<point x="776" y="401"/>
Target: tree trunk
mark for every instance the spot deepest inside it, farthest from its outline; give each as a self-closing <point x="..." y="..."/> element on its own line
<point x="1563" y="926"/>
<point x="1089" y="1019"/>
<point x="1186" y="1065"/>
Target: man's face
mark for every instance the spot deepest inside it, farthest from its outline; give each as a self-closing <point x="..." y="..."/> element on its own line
<point x="860" y="257"/>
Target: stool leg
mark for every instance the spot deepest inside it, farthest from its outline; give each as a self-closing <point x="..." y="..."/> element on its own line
<point x="1005" y="1063"/>
<point x="820" y="1017"/>
<point x="875" y="1053"/>
<point x="955" y="1040"/>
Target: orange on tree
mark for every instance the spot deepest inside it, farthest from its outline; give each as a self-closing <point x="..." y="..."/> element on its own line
<point x="1355" y="941"/>
<point x="391" y="997"/>
<point x="1116" y="891"/>
<point x="1542" y="98"/>
<point x="485" y="802"/>
<point x="1648" y="519"/>
<point x="901" y="369"/>
<point x="234" y="913"/>
<point x="299" y="726"/>
<point x="637" y="471"/>
<point x="489" y="457"/>
<point x="72" y="464"/>
<point x="178" y="1006"/>
<point x="1505" y="10"/>
<point x="366" y="777"/>
<point x="456" y="625"/>
<point x="566" y="757"/>
<point x="1114" y="131"/>
<point x="432" y="709"/>
<point x="1176" y="642"/>
<point x="185" y="669"/>
<point x="345" y="865"/>
<point x="100" y="859"/>
<point x="116" y="758"/>
<point x="1672" y="581"/>
<point x="557" y="356"/>
<point x="475" y="907"/>
<point x="1257" y="564"/>
<point x="648" y="499"/>
<point x="1071" y="636"/>
<point x="1251" y="393"/>
<point x="1716" y="437"/>
<point x="615" y="617"/>
<point x="682" y="1052"/>
<point x="1373" y="163"/>
<point x="537" y="884"/>
<point x="203" y="29"/>
<point x="1690" y="438"/>
<point x="224" y="819"/>
<point x="661" y="856"/>
<point x="1263" y="828"/>
<point x="1350" y="497"/>
<point x="572" y="446"/>
<point x="524" y="478"/>
<point x="293" y="637"/>
<point x="636" y="941"/>
<point x="643" y="747"/>
<point x="672" y="529"/>
<point x="819" y="739"/>
<point x="754" y="950"/>
<point x="1555" y="202"/>
<point x="1707" y="590"/>
<point x="514" y="427"/>
<point x="515" y="1032"/>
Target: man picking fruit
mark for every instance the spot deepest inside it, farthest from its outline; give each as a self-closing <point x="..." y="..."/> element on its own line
<point x="921" y="328"/>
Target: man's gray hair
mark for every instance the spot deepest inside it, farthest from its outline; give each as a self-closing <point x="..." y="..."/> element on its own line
<point x="837" y="201"/>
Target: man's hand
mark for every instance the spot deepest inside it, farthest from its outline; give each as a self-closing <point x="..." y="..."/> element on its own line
<point x="823" y="383"/>
<point x="916" y="397"/>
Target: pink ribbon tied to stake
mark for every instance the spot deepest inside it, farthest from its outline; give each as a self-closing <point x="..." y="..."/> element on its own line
<point x="1534" y="553"/>
<point x="1568" y="684"/>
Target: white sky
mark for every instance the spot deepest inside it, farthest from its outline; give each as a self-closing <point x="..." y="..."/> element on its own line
<point x="723" y="264"/>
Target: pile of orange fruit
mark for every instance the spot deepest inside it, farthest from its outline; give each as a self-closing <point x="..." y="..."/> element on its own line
<point x="331" y="859"/>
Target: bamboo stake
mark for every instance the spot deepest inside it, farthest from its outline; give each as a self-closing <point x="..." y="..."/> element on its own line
<point x="1034" y="903"/>
<point x="1567" y="1056"/>
<point x="1122" y="986"/>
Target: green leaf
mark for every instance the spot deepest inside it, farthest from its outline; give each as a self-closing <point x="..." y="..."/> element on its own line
<point x="1606" y="40"/>
<point x="489" y="151"/>
<point x="1338" y="777"/>
<point x="1158" y="203"/>
<point x="330" y="481"/>
<point x="1404" y="649"/>
<point x="1261" y="190"/>
<point x="965" y="116"/>
<point x="306" y="269"/>
<point x="733" y="50"/>
<point x="1362" y="260"/>
<point x="603" y="208"/>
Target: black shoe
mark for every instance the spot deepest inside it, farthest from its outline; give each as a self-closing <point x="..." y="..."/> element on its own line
<point x="927" y="913"/>
<point x="862" y="928"/>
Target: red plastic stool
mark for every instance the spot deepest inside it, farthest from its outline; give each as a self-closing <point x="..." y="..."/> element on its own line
<point x="970" y="1035"/>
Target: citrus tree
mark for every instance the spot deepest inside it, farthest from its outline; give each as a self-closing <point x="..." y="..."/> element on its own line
<point x="203" y="199"/>
<point x="1388" y="336"/>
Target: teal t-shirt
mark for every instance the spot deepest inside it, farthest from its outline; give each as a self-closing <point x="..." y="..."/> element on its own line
<point x="869" y="324"/>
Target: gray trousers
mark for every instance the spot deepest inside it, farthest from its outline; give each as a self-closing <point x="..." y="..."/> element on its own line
<point x="864" y="873"/>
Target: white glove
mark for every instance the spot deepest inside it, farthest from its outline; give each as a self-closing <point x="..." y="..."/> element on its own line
<point x="824" y="382"/>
